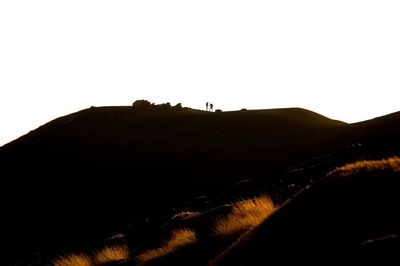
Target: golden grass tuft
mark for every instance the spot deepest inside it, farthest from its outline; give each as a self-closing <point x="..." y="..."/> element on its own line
<point x="244" y="216"/>
<point x="185" y="215"/>
<point x="73" y="260"/>
<point x="392" y="163"/>
<point x="179" y="238"/>
<point x="106" y="255"/>
<point x="110" y="254"/>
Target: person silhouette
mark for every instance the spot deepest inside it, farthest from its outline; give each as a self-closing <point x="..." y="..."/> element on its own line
<point x="211" y="107"/>
<point x="206" y="106"/>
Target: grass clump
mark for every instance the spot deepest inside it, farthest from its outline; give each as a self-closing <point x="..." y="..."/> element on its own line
<point x="110" y="254"/>
<point x="351" y="169"/>
<point x="105" y="255"/>
<point x="244" y="216"/>
<point x="179" y="238"/>
<point x="73" y="260"/>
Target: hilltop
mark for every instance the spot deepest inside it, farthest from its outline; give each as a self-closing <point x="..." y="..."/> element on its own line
<point x="103" y="166"/>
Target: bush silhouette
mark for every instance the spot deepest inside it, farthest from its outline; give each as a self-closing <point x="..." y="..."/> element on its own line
<point x="141" y="104"/>
<point x="164" y="106"/>
<point x="178" y="106"/>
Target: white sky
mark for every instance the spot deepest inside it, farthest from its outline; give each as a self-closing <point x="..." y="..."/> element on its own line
<point x="340" y="58"/>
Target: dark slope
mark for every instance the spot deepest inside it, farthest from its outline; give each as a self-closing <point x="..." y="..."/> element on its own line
<point x="377" y="134"/>
<point x="92" y="170"/>
<point x="182" y="145"/>
<point x="88" y="172"/>
<point x="176" y="143"/>
<point x="340" y="219"/>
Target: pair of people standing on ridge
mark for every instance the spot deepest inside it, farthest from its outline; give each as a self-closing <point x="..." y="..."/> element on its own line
<point x="209" y="107"/>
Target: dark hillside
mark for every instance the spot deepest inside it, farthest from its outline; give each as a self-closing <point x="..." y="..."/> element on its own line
<point x="86" y="174"/>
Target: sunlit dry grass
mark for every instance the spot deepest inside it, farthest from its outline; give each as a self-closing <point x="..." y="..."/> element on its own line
<point x="179" y="238"/>
<point x="106" y="255"/>
<point x="111" y="253"/>
<point x="392" y="163"/>
<point x="73" y="260"/>
<point x="185" y="215"/>
<point x="244" y="215"/>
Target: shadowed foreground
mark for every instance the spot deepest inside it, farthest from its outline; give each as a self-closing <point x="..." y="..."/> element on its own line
<point x="337" y="219"/>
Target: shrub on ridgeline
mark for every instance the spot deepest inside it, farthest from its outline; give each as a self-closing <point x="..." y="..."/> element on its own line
<point x="164" y="106"/>
<point x="178" y="106"/>
<point x="141" y="104"/>
<point x="146" y="105"/>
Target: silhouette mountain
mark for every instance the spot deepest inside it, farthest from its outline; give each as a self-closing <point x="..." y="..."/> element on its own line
<point x="85" y="175"/>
